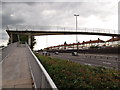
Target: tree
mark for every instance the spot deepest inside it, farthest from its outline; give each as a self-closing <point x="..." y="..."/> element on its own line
<point x="33" y="42"/>
<point x="65" y="43"/>
<point x="15" y="39"/>
<point x="23" y="39"/>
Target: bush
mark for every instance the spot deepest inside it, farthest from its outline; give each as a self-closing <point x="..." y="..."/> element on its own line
<point x="67" y="75"/>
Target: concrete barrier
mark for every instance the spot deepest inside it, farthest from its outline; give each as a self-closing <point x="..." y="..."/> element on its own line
<point x="8" y="49"/>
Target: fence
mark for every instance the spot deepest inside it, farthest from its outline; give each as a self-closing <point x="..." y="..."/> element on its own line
<point x="39" y="74"/>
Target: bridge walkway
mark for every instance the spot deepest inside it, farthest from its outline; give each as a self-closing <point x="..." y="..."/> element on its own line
<point x="15" y="69"/>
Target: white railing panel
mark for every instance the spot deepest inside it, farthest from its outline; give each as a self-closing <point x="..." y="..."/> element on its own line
<point x="59" y="28"/>
<point x="40" y="76"/>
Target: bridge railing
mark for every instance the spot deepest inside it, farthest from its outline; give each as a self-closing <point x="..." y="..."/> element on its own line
<point x="8" y="49"/>
<point x="60" y="28"/>
<point x="40" y="76"/>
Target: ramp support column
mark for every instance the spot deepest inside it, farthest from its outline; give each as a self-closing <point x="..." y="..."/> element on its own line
<point x="11" y="38"/>
<point x="29" y="40"/>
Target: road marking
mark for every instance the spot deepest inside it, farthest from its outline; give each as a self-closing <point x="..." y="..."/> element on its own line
<point x="87" y="64"/>
<point x="106" y="63"/>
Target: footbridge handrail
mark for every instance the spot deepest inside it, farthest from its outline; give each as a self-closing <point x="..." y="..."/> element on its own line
<point x="40" y="76"/>
<point x="59" y="28"/>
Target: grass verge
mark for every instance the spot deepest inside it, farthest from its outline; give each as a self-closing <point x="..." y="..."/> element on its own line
<point x="71" y="75"/>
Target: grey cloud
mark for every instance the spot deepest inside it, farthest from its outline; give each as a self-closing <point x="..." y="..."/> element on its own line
<point x="56" y="12"/>
<point x="7" y="18"/>
<point x="84" y="9"/>
<point x="52" y="13"/>
<point x="119" y="17"/>
<point x="4" y="35"/>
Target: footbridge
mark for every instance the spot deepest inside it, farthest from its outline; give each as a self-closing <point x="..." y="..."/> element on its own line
<point x="57" y="30"/>
<point x="22" y="69"/>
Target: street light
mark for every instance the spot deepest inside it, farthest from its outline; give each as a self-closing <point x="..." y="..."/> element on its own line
<point x="76" y="31"/>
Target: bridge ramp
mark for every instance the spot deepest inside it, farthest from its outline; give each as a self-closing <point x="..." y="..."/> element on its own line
<point x="15" y="69"/>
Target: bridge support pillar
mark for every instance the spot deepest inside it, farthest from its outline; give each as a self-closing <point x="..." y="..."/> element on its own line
<point x="29" y="40"/>
<point x="11" y="38"/>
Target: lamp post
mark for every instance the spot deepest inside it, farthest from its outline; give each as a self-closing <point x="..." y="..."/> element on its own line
<point x="76" y="31"/>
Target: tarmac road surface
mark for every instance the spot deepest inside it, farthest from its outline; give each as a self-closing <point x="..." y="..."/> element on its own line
<point x="109" y="61"/>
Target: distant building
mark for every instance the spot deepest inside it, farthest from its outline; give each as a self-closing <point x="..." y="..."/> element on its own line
<point x="114" y="42"/>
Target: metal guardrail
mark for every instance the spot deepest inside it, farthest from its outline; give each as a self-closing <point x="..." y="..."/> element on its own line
<point x="59" y="28"/>
<point x="40" y="76"/>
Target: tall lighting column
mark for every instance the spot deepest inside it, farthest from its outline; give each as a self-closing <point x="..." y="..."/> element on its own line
<point x="76" y="31"/>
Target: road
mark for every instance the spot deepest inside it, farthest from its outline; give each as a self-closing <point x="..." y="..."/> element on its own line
<point x="109" y="61"/>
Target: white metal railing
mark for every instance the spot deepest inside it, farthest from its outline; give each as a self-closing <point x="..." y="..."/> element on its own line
<point x="40" y="76"/>
<point x="59" y="28"/>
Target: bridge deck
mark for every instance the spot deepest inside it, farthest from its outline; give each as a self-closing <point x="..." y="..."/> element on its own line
<point x="16" y="72"/>
<point x="40" y="33"/>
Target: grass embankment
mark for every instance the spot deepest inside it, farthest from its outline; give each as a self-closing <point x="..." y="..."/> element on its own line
<point x="67" y="74"/>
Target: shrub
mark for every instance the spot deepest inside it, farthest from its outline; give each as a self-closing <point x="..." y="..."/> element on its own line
<point x="67" y="74"/>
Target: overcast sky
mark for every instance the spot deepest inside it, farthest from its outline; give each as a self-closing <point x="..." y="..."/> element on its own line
<point x="91" y="15"/>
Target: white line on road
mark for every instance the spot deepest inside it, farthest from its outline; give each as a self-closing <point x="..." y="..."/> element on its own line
<point x="106" y="63"/>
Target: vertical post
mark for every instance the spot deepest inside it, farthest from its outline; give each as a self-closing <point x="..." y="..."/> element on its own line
<point x="113" y="42"/>
<point x="11" y="38"/>
<point x="98" y="41"/>
<point x="18" y="40"/>
<point x="29" y="40"/>
<point x="76" y="32"/>
<point x="46" y="41"/>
